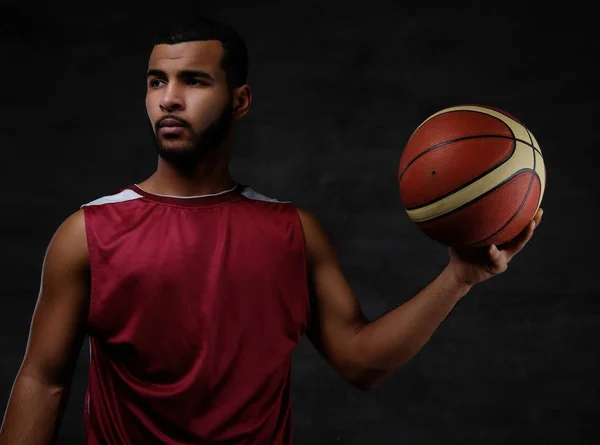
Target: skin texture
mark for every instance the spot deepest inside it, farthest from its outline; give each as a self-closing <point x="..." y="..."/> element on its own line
<point x="194" y="160"/>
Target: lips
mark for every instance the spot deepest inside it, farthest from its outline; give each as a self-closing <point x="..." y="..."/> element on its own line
<point x="171" y="123"/>
<point x="171" y="127"/>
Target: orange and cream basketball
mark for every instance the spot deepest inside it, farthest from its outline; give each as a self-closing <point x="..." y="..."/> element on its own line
<point x="471" y="175"/>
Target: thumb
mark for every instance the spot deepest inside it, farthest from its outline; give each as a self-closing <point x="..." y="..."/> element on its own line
<point x="497" y="259"/>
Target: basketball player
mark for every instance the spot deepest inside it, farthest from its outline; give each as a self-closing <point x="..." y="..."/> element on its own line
<point x="195" y="289"/>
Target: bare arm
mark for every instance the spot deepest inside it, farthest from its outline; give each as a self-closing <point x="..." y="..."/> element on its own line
<point x="365" y="353"/>
<point x="41" y="387"/>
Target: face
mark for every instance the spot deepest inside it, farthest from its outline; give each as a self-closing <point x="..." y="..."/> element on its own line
<point x="188" y="100"/>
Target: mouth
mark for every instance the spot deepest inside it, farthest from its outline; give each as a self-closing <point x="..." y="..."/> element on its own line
<point x="171" y="127"/>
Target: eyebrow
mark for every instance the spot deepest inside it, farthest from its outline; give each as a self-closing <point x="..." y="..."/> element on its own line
<point x="184" y="74"/>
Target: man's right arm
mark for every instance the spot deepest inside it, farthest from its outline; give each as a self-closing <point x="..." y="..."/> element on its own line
<point x="57" y="331"/>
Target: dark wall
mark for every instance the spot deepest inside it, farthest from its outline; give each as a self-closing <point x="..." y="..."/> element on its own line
<point x="338" y="89"/>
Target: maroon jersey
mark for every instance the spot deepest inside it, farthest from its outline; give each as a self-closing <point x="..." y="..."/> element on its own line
<point x="197" y="304"/>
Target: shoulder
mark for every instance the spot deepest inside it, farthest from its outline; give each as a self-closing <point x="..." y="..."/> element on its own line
<point x="308" y="220"/>
<point x="69" y="242"/>
<point x="318" y="243"/>
<point x="73" y="225"/>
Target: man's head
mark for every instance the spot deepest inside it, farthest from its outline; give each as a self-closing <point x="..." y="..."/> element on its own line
<point x="196" y="88"/>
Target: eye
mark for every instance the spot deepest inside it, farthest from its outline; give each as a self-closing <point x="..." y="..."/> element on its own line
<point x="196" y="82"/>
<point x="155" y="83"/>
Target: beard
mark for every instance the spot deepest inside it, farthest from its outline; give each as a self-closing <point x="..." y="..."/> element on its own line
<point x="192" y="151"/>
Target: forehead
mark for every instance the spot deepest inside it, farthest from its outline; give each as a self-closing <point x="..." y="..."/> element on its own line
<point x="202" y="55"/>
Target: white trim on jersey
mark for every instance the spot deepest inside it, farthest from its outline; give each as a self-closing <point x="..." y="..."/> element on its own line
<point x="128" y="195"/>
<point x="125" y="195"/>
<point x="253" y="194"/>
<point x="189" y="197"/>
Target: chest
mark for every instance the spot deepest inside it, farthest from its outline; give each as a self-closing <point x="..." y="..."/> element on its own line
<point x="192" y="277"/>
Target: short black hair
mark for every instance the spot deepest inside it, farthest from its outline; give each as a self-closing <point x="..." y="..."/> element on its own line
<point x="189" y="29"/>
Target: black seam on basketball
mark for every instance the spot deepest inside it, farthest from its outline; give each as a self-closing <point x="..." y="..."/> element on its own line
<point x="452" y="141"/>
<point x="483" y="195"/>
<point x="468" y="137"/>
<point x="516" y="213"/>
<point x="459" y="139"/>
<point x="530" y="138"/>
<point x="466" y="184"/>
<point x="520" y="207"/>
<point x="477" y="177"/>
<point x="532" y="145"/>
<point x="474" y="111"/>
<point x="503" y="113"/>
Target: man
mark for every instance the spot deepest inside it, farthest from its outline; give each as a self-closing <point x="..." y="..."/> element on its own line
<point x="195" y="289"/>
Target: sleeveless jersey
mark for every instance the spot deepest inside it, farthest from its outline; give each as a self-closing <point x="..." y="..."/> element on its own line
<point x="196" y="306"/>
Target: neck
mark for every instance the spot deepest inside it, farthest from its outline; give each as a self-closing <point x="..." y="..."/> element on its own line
<point x="208" y="177"/>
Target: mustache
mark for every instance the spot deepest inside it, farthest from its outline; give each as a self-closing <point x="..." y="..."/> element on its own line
<point x="170" y="116"/>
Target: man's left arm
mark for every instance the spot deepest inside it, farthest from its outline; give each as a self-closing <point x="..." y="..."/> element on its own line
<point x="365" y="353"/>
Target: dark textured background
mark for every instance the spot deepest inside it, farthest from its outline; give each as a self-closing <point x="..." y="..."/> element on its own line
<point x="338" y="89"/>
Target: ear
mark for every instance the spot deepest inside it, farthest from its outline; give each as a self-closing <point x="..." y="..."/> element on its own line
<point x="242" y="100"/>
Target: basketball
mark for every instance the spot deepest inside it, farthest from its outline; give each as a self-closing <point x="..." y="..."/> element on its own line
<point x="471" y="175"/>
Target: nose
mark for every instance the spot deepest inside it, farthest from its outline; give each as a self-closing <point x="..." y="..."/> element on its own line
<point x="172" y="100"/>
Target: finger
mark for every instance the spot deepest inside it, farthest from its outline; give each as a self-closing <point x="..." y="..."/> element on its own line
<point x="498" y="258"/>
<point x="538" y="216"/>
<point x="516" y="244"/>
<point x="495" y="254"/>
